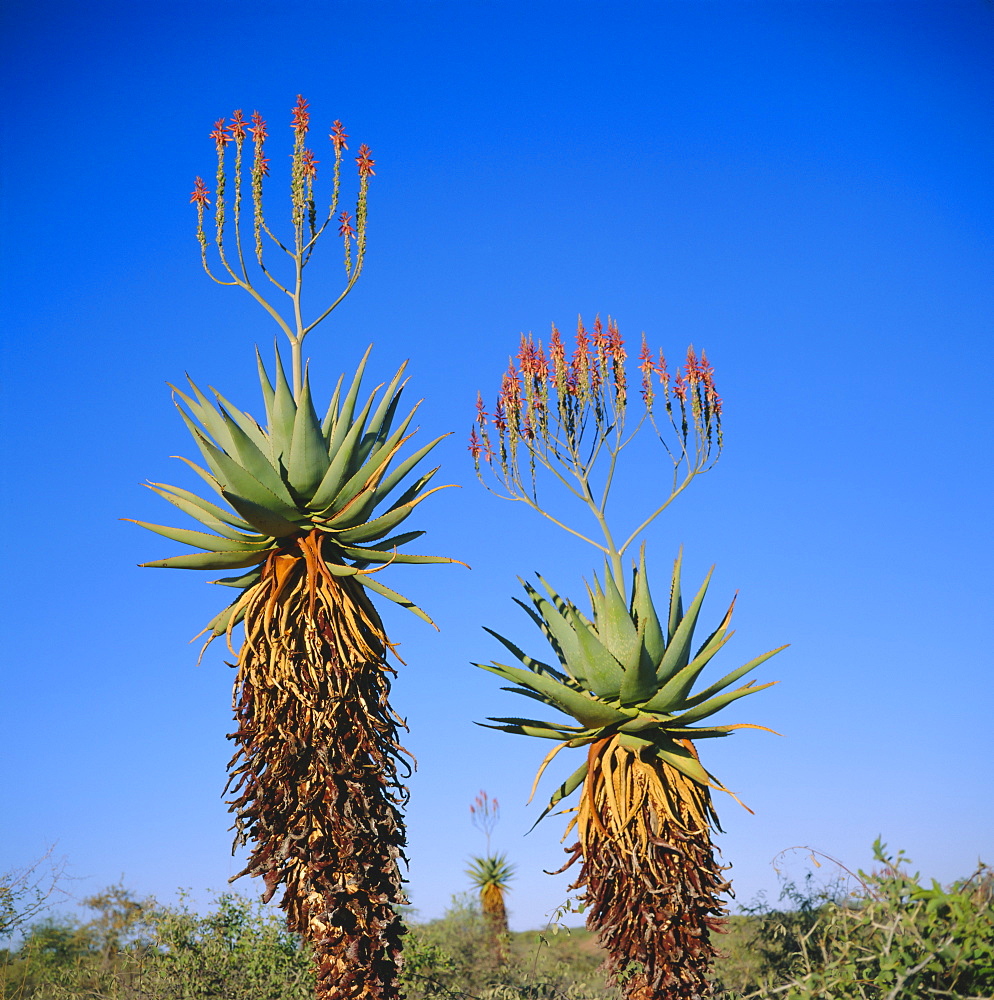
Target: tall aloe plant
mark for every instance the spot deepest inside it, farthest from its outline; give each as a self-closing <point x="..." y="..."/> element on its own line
<point x="306" y="514"/>
<point x="625" y="675"/>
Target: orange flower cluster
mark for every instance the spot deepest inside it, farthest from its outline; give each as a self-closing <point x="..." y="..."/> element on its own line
<point x="547" y="399"/>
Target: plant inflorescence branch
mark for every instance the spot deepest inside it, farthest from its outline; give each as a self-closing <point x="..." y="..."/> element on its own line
<point x="568" y="415"/>
<point x="228" y="223"/>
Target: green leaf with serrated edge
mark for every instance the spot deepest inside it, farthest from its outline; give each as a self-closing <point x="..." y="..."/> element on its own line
<point x="235" y="479"/>
<point x="202" y="539"/>
<point x="372" y="471"/>
<point x="677" y="653"/>
<point x="672" y="694"/>
<point x="535" y="666"/>
<point x="209" y="560"/>
<point x="571" y="653"/>
<point x="538" y="696"/>
<point x="344" y="422"/>
<point x="228" y="618"/>
<point x="531" y="727"/>
<point x="545" y="630"/>
<point x="203" y="473"/>
<point x="336" y="569"/>
<point x="380" y="418"/>
<point x="252" y="459"/>
<point x="219" y="623"/>
<point x="570" y="785"/>
<point x="568" y="732"/>
<point x="583" y="707"/>
<point x="386" y="545"/>
<point x="643" y="722"/>
<point x="268" y="395"/>
<point x="644" y="611"/>
<point x="357" y="499"/>
<point x="603" y="672"/>
<point x="246" y="423"/>
<point x="374" y="433"/>
<point x="615" y="627"/>
<point x="202" y="410"/>
<point x="338" y="468"/>
<point x="308" y="450"/>
<point x="331" y="414"/>
<point x="200" y="439"/>
<point x="261" y="517"/>
<point x="730" y="678"/>
<point x="406" y="558"/>
<point x="242" y="582"/>
<point x="676" y="601"/>
<point x="639" y="683"/>
<point x="378" y="588"/>
<point x="415" y="493"/>
<point x="686" y="764"/>
<point x="377" y="528"/>
<point x="400" y="473"/>
<point x="705" y="733"/>
<point x="718" y="702"/>
<point x="200" y="511"/>
<point x="284" y="412"/>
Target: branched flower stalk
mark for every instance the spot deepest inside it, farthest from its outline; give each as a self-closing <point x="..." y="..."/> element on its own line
<point x="287" y="311"/>
<point x="569" y="416"/>
<point x="623" y="673"/>
<point x="307" y="512"/>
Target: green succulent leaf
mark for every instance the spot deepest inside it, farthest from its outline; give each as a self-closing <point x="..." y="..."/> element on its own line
<point x="261" y="517"/>
<point x="585" y="708"/>
<point x="241" y="582"/>
<point x="206" y="513"/>
<point x="204" y="540"/>
<point x="209" y="560"/>
<point x="308" y="449"/>
<point x="717" y="703"/>
<point x="677" y="654"/>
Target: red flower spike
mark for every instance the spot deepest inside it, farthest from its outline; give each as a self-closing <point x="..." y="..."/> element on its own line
<point x="481" y="413"/>
<point x="310" y="165"/>
<point x="264" y="165"/>
<point x="301" y="116"/>
<point x="219" y="135"/>
<point x="500" y="415"/>
<point x="345" y="225"/>
<point x="237" y="126"/>
<point x="474" y="449"/>
<point x="338" y="135"/>
<point x="200" y="194"/>
<point x="259" y="127"/>
<point x="365" y="161"/>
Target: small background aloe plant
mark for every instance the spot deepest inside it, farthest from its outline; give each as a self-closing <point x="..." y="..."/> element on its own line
<point x="308" y="508"/>
<point x="491" y="875"/>
<point x="624" y="673"/>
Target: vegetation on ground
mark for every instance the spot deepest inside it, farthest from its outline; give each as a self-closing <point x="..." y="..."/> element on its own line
<point x="892" y="937"/>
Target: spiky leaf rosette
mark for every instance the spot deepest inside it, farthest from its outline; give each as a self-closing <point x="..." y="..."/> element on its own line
<point x="645" y="813"/>
<point x="316" y="783"/>
<point x="491" y="875"/>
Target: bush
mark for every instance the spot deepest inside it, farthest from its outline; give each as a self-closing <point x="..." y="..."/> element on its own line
<point x="894" y="939"/>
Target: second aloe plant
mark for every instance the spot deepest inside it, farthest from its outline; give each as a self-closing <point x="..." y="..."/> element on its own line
<point x="625" y="673"/>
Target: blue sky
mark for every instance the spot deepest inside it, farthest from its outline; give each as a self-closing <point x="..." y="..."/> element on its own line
<point x="801" y="188"/>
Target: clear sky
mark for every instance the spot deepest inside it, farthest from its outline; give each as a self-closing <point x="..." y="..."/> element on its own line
<point x="801" y="188"/>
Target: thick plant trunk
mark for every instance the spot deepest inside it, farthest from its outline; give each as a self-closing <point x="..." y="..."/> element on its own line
<point x="315" y="776"/>
<point x="495" y="920"/>
<point x="648" y="870"/>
